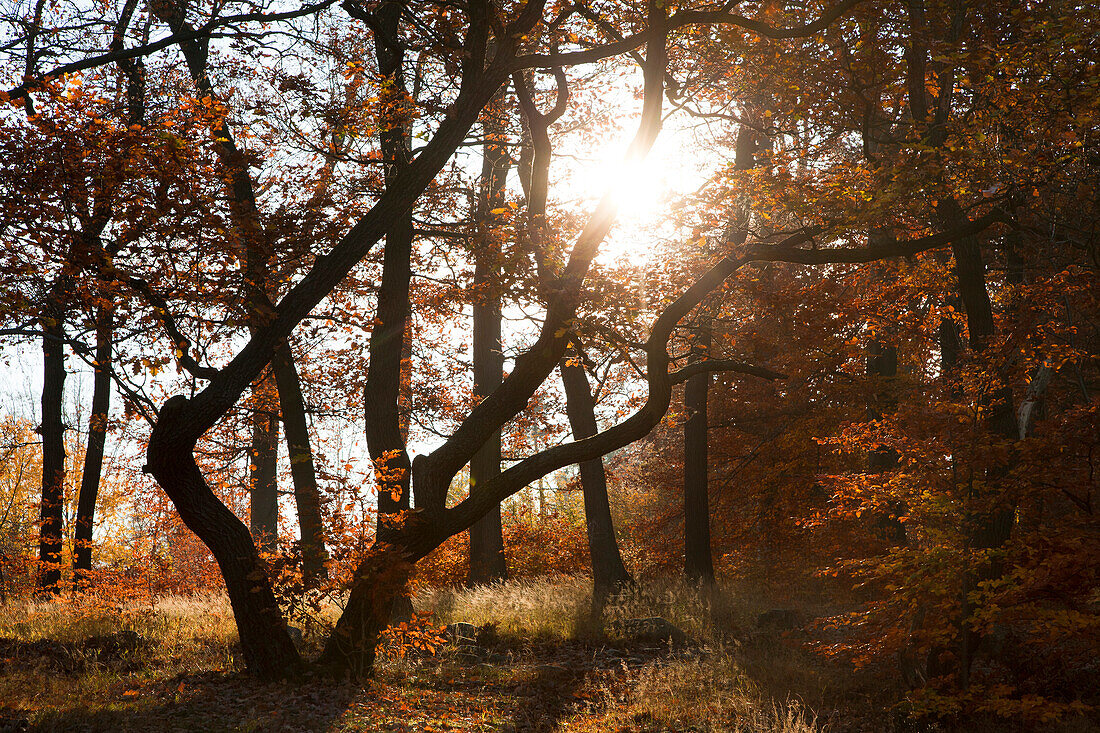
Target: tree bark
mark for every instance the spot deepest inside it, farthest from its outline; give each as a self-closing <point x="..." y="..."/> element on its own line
<point x="383" y="394"/>
<point x="263" y="487"/>
<point x="52" y="431"/>
<point x="307" y="497"/>
<point x="487" y="561"/>
<point x="698" y="560"/>
<point x="609" y="574"/>
<point x="93" y="456"/>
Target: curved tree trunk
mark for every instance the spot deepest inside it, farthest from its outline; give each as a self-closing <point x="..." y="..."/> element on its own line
<point x="268" y="650"/>
<point x="609" y="574"/>
<point x="93" y="456"/>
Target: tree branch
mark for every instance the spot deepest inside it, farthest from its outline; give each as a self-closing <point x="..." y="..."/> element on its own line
<point x="723" y="365"/>
<point x="116" y="54"/>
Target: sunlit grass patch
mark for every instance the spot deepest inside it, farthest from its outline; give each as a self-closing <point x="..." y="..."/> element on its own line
<point x="82" y="655"/>
<point x="542" y="607"/>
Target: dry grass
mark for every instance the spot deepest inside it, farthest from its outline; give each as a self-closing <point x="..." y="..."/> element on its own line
<point x="550" y="668"/>
<point x="707" y="693"/>
<point x="704" y="688"/>
<point x="548" y="607"/>
<point x="176" y="636"/>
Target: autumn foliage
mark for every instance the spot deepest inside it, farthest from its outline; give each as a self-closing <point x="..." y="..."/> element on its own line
<point x="303" y="289"/>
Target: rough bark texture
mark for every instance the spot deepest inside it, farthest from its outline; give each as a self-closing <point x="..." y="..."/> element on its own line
<point x="698" y="560"/>
<point x="307" y="497"/>
<point x="608" y="571"/>
<point x="487" y="561"/>
<point x="93" y="456"/>
<point x="52" y="431"/>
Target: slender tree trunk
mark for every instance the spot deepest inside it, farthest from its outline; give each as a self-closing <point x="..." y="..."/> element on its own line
<point x="698" y="561"/>
<point x="990" y="525"/>
<point x="307" y="497"/>
<point x="93" y="456"/>
<point x="609" y="574"/>
<point x="385" y="438"/>
<point x="382" y="396"/>
<point x="698" y="558"/>
<point x="263" y="487"/>
<point x="487" y="562"/>
<point x="53" y="446"/>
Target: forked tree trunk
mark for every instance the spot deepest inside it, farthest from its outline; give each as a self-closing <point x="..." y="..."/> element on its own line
<point x="307" y="497"/>
<point x="93" y="456"/>
<point x="609" y="574"/>
<point x="181" y="421"/>
<point x="698" y="561"/>
<point x="52" y="431"/>
<point x="379" y="582"/>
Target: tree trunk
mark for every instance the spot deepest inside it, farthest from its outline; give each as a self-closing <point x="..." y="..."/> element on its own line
<point x="379" y="581"/>
<point x="609" y="574"/>
<point x="263" y="487"/>
<point x="307" y="498"/>
<point x="268" y="650"/>
<point x="882" y="367"/>
<point x="53" y="446"/>
<point x="382" y="396"/>
<point x="698" y="559"/>
<point x="988" y="528"/>
<point x="698" y="562"/>
<point x="93" y="456"/>
<point x="487" y="562"/>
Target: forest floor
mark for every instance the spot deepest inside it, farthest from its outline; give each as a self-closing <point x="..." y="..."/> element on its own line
<point x="538" y="664"/>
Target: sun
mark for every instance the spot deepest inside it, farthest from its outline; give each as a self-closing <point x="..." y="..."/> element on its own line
<point x="638" y="187"/>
